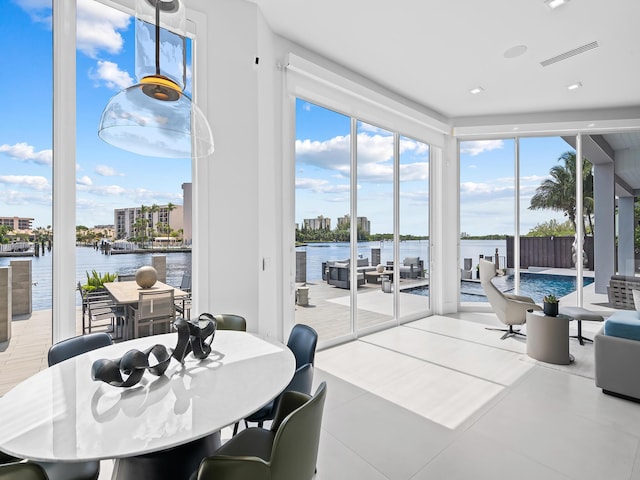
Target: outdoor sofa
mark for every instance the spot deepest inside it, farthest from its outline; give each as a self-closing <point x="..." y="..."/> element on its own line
<point x="411" y="267"/>
<point x="617" y="355"/>
<point x="620" y="290"/>
<point x="337" y="273"/>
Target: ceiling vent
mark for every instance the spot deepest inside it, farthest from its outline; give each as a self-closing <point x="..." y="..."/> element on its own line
<point x="569" y="54"/>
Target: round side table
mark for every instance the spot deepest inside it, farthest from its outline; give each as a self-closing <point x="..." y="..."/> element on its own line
<point x="548" y="338"/>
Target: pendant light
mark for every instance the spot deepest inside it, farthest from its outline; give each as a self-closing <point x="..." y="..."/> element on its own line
<point x="155" y="117"/>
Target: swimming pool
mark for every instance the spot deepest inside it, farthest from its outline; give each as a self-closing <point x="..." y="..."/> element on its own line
<point x="534" y="285"/>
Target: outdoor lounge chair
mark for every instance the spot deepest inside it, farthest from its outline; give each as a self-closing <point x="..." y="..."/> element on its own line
<point x="411" y="267"/>
<point x="510" y="309"/>
<point x="339" y="273"/>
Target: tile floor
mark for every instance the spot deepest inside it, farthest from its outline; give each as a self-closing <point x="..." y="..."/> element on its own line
<point x="441" y="398"/>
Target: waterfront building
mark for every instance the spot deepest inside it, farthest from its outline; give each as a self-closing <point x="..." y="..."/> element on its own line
<point x="318" y="223"/>
<point x="17" y="223"/>
<point x="104" y="231"/>
<point x="187" y="227"/>
<point x="157" y="220"/>
<point x="362" y="223"/>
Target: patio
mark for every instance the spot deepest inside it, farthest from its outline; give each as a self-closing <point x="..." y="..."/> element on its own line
<point x="328" y="312"/>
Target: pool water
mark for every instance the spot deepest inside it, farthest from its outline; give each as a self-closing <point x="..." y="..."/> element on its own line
<point x="534" y="285"/>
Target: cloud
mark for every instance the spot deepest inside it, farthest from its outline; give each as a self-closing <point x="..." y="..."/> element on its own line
<point x="97" y="25"/>
<point x="332" y="154"/>
<point x="320" y="186"/>
<point x="414" y="198"/>
<point x="475" y="192"/>
<point x="101" y="190"/>
<point x="413" y="146"/>
<point x="411" y="172"/>
<point x="97" y="28"/>
<point x="306" y="106"/>
<point x="38" y="10"/>
<point x="142" y="196"/>
<point x="375" y="157"/>
<point x="476" y="147"/>
<point x="111" y="75"/>
<point x="33" y="182"/>
<point x="106" y="171"/>
<point x="84" y="181"/>
<point x="25" y="152"/>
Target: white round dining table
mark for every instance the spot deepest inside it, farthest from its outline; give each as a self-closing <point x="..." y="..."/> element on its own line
<point x="61" y="414"/>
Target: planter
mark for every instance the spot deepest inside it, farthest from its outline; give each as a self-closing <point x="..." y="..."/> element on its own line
<point x="550" y="309"/>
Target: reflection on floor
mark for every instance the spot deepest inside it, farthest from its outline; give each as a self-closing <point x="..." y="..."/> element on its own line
<point x="443" y="398"/>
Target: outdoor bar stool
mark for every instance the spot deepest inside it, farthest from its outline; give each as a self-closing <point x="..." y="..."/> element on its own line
<point x="579" y="314"/>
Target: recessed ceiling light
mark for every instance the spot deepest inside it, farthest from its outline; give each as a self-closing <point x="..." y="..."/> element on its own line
<point x="476" y="90"/>
<point x="555" y="3"/>
<point x="574" y="86"/>
<point x="591" y="125"/>
<point x="516" y="51"/>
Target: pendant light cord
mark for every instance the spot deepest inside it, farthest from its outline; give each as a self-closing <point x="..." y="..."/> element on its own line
<point x="157" y="37"/>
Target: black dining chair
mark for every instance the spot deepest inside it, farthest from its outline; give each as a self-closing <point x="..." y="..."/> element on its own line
<point x="71" y="347"/>
<point x="59" y="352"/>
<point x="302" y="342"/>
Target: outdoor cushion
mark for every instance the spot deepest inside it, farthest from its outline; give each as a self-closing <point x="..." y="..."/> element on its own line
<point x="363" y="262"/>
<point x="411" y="261"/>
<point x="636" y="298"/>
<point x="623" y="324"/>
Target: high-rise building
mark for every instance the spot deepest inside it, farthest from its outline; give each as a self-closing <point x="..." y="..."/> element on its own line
<point x="317" y="223"/>
<point x="17" y="223"/>
<point x="361" y="222"/>
<point x="157" y="219"/>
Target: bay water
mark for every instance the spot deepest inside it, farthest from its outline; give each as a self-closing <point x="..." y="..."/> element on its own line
<point x="178" y="263"/>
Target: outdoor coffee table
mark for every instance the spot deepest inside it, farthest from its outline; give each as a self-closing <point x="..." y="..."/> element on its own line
<point x="548" y="338"/>
<point x="375" y="277"/>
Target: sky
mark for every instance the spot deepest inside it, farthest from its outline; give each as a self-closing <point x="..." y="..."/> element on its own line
<point x="486" y="176"/>
<point x="106" y="177"/>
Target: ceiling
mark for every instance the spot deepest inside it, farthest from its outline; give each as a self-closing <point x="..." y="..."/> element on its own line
<point x="435" y="52"/>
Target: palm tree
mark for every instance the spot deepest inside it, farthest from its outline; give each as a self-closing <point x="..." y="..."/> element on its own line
<point x="170" y="208"/>
<point x="154" y="209"/>
<point x="144" y="221"/>
<point x="559" y="192"/>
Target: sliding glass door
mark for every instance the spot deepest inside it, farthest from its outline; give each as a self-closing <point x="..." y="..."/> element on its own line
<point x="362" y="224"/>
<point x="374" y="205"/>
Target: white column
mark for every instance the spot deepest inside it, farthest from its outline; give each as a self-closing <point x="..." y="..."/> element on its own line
<point x="444" y="234"/>
<point x="626" y="227"/>
<point x="64" y="169"/>
<point x="579" y="218"/>
<point x="604" y="235"/>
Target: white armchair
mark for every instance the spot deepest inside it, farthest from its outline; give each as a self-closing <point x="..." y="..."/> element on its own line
<point x="510" y="309"/>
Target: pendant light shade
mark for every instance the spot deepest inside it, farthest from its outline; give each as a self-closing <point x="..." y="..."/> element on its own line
<point x="155" y="117"/>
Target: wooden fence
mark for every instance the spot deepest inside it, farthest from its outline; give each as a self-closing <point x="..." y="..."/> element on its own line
<point x="553" y="252"/>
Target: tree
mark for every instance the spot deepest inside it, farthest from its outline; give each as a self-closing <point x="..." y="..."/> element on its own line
<point x="552" y="228"/>
<point x="558" y="193"/>
<point x="4" y="230"/>
<point x="170" y="208"/>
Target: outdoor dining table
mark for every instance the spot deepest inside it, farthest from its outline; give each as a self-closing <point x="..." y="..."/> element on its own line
<point x="62" y="415"/>
<point x="127" y="294"/>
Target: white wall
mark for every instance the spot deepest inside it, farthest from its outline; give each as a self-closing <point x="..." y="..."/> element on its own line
<point x="226" y="185"/>
<point x="248" y="185"/>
